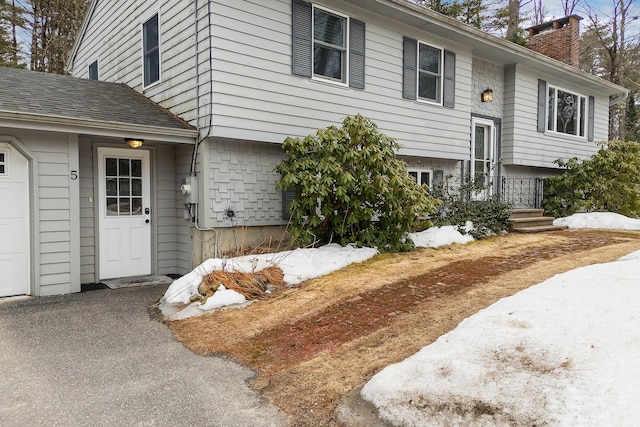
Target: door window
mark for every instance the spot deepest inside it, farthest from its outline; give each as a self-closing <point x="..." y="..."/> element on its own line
<point x="123" y="186"/>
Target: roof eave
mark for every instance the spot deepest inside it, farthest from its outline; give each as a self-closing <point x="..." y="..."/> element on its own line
<point x="95" y="127"/>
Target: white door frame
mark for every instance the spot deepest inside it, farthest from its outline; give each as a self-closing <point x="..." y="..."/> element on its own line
<point x="490" y="151"/>
<point x="124" y="240"/>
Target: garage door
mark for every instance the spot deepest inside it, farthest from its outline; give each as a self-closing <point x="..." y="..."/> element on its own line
<point x="14" y="222"/>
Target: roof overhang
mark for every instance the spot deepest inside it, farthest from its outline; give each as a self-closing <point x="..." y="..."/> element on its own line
<point x="484" y="45"/>
<point x="48" y="123"/>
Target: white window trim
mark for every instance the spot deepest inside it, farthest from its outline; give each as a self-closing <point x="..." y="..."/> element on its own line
<point x="582" y="98"/>
<point x="148" y="18"/>
<point x="319" y="77"/>
<point x="441" y="74"/>
<point x="5" y="163"/>
<point x="420" y="171"/>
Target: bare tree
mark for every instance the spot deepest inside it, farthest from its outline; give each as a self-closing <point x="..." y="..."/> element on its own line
<point x="54" y="25"/>
<point x="569" y="6"/>
<point x="613" y="53"/>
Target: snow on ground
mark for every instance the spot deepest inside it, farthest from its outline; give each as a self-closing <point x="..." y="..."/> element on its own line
<point x="561" y="353"/>
<point x="607" y="220"/>
<point x="298" y="265"/>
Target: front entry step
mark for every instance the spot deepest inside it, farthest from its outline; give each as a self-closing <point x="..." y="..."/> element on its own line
<point x="532" y="221"/>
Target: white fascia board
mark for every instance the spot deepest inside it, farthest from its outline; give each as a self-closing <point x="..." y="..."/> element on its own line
<point x="94" y="127"/>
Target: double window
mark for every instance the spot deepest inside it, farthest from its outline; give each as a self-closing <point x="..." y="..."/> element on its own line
<point x="327" y="45"/>
<point x="429" y="73"/>
<point x="151" y="50"/>
<point x="565" y="112"/>
<point x="422" y="176"/>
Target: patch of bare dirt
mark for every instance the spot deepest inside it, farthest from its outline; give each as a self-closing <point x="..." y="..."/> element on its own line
<point x="310" y="345"/>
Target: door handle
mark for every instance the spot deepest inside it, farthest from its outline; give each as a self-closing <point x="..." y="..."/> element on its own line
<point x="147" y="221"/>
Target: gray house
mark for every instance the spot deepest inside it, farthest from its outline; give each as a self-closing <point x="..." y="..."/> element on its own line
<point x="244" y="76"/>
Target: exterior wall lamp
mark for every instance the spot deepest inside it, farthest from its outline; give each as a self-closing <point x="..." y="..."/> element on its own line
<point x="487" y="95"/>
<point x="133" y="142"/>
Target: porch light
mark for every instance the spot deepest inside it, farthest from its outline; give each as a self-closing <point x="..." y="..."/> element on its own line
<point x="487" y="95"/>
<point x="134" y="143"/>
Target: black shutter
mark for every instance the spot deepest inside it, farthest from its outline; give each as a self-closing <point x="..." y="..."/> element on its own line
<point x="591" y="118"/>
<point x="542" y="105"/>
<point x="449" y="90"/>
<point x="409" y="68"/>
<point x="356" y="53"/>
<point x="301" y="40"/>
<point x="287" y="198"/>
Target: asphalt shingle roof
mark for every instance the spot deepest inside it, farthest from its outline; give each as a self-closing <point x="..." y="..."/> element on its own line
<point x="23" y="91"/>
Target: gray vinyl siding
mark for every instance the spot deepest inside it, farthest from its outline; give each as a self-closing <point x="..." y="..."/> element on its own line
<point x="165" y="205"/>
<point x="258" y="98"/>
<point x="183" y="225"/>
<point x="87" y="215"/>
<point x="522" y="143"/>
<point x="114" y="35"/>
<point x="51" y="210"/>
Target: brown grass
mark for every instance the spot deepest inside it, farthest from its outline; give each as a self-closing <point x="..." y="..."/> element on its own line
<point x="312" y="344"/>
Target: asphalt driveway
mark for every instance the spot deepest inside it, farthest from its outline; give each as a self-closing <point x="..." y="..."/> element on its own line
<point x="97" y="358"/>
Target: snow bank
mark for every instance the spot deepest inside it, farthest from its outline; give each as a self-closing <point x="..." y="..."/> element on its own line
<point x="563" y="352"/>
<point x="298" y="265"/>
<point x="607" y="220"/>
<point x="439" y="236"/>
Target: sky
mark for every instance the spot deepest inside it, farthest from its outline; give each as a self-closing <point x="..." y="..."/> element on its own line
<point x="561" y="353"/>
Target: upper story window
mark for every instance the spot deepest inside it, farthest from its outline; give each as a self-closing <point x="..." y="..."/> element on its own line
<point x="327" y="45"/>
<point x="429" y="73"/>
<point x="151" y="50"/>
<point x="4" y="163"/>
<point x="566" y="112"/>
<point x="93" y="70"/>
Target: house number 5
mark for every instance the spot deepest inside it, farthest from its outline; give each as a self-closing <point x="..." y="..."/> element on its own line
<point x="74" y="175"/>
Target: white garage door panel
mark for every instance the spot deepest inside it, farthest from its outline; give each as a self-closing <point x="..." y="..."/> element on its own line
<point x="14" y="224"/>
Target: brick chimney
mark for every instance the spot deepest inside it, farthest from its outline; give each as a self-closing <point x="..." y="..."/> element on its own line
<point x="558" y="39"/>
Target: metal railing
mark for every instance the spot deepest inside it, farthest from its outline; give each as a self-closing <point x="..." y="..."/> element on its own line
<point x="522" y="192"/>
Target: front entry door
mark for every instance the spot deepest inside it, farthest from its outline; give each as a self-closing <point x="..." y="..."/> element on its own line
<point x="124" y="213"/>
<point x="483" y="148"/>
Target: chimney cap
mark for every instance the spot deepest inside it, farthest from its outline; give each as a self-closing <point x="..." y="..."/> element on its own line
<point x="560" y="22"/>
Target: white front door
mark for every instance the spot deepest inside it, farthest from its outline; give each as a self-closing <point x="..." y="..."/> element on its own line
<point x="14" y="222"/>
<point x="124" y="213"/>
<point x="483" y="147"/>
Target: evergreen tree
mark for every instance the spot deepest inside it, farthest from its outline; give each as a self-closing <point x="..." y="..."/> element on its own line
<point x="632" y="127"/>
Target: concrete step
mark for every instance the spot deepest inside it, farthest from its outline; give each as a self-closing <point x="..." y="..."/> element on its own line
<point x="526" y="213"/>
<point x="532" y="221"/>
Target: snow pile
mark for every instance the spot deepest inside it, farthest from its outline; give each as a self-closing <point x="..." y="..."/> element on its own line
<point x="607" y="220"/>
<point x="440" y="236"/>
<point x="563" y="352"/>
<point x="298" y="265"/>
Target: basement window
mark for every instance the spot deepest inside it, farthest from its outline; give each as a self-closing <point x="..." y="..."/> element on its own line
<point x="4" y="163"/>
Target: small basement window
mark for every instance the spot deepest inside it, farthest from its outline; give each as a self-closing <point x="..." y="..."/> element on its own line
<point x="422" y="176"/>
<point x="4" y="163"/>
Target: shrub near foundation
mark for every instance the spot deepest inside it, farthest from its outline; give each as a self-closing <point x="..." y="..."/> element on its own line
<point x="607" y="182"/>
<point x="351" y="188"/>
